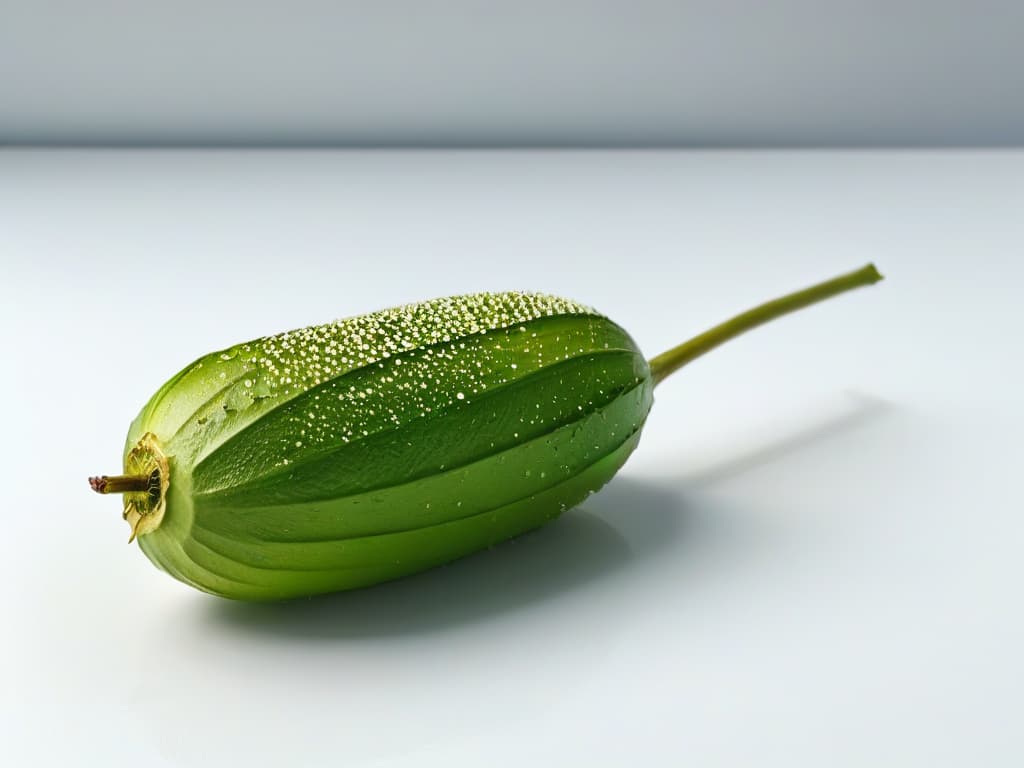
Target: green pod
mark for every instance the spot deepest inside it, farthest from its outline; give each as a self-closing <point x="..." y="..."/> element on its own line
<point x="342" y="455"/>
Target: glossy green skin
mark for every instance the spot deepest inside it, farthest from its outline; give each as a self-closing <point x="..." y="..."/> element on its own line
<point x="360" y="473"/>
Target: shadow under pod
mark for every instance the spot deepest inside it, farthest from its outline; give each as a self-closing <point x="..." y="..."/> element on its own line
<point x="577" y="549"/>
<point x="626" y="523"/>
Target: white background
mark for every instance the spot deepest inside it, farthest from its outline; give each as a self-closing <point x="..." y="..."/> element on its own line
<point x="529" y="72"/>
<point x="813" y="558"/>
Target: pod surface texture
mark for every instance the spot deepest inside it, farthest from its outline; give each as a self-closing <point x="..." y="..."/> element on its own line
<point x="342" y="455"/>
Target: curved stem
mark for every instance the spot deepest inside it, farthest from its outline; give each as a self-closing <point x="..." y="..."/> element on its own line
<point x="675" y="358"/>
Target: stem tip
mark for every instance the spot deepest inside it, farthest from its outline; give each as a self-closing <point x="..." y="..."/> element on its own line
<point x="119" y="484"/>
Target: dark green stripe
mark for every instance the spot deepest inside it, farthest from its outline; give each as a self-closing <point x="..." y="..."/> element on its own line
<point x="490" y="422"/>
<point x="526" y="468"/>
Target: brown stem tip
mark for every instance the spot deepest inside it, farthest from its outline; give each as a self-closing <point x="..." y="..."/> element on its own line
<point x="119" y="484"/>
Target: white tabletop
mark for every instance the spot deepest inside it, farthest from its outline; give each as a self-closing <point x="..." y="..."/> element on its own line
<point x="813" y="558"/>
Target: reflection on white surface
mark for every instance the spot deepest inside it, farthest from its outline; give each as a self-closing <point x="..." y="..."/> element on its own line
<point x="812" y="558"/>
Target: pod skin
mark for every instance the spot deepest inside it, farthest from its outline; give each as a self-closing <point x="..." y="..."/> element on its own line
<point x="342" y="455"/>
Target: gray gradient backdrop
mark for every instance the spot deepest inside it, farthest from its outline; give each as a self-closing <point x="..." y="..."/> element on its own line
<point x="463" y="72"/>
